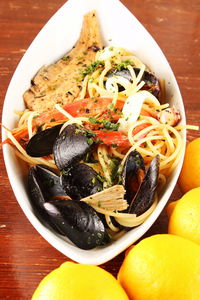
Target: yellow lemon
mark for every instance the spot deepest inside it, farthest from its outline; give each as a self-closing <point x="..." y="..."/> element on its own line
<point x="184" y="216"/>
<point x="162" y="267"/>
<point x="73" y="281"/>
<point x="190" y="173"/>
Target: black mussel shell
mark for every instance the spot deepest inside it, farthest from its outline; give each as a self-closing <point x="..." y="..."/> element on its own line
<point x="151" y="82"/>
<point x="78" y="221"/>
<point x="41" y="144"/>
<point x="36" y="196"/>
<point x="80" y="181"/>
<point x="133" y="173"/>
<point x="43" y="185"/>
<point x="145" y="195"/>
<point x="72" y="145"/>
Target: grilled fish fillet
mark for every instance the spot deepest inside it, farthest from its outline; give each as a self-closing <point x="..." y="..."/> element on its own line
<point x="62" y="82"/>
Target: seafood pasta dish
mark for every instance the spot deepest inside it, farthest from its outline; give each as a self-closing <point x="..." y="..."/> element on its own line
<point x="99" y="140"/>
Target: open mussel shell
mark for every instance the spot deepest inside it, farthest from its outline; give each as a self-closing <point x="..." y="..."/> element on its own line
<point x="146" y="192"/>
<point x="41" y="144"/>
<point x="78" y="221"/>
<point x="80" y="181"/>
<point x="43" y="185"/>
<point x="73" y="143"/>
<point x="151" y="82"/>
<point x="133" y="173"/>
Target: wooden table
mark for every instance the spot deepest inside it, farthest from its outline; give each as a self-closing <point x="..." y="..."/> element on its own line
<point x="25" y="257"/>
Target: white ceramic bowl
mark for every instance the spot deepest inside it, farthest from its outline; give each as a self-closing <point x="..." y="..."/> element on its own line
<point x="54" y="40"/>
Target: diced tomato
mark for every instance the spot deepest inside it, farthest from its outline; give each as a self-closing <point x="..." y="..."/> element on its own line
<point x="83" y="108"/>
<point x="112" y="138"/>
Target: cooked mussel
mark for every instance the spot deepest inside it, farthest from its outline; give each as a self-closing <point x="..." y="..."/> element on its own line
<point x="41" y="144"/>
<point x="151" y="82"/>
<point x="74" y="219"/>
<point x="80" y="181"/>
<point x="78" y="221"/>
<point x="133" y="174"/>
<point x="43" y="185"/>
<point x="140" y="184"/>
<point x="146" y="192"/>
<point x="73" y="143"/>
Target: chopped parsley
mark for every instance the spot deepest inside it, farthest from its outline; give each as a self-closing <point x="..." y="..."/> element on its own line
<point x="94" y="120"/>
<point x="114" y="146"/>
<point x="53" y="87"/>
<point x="90" y="133"/>
<point x="89" y="158"/>
<point x="114" y="166"/>
<point x="111" y="106"/>
<point x="101" y="178"/>
<point x="106" y="124"/>
<point x="124" y="65"/>
<point x="66" y="58"/>
<point x="79" y="57"/>
<point x="90" y="141"/>
<point x="77" y="79"/>
<point x="111" y="126"/>
<point x="99" y="141"/>
<point x="92" y="67"/>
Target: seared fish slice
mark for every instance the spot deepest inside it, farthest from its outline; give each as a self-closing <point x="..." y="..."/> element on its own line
<point x="62" y="82"/>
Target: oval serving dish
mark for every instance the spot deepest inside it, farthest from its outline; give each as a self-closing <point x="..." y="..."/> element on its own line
<point x="43" y="51"/>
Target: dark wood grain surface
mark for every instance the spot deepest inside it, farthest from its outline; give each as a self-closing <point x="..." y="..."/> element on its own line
<point x="25" y="257"/>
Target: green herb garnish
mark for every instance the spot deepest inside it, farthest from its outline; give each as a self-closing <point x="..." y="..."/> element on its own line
<point x="101" y="178"/>
<point x="124" y="64"/>
<point x="90" y="141"/>
<point x="66" y="58"/>
<point x="110" y="126"/>
<point x="92" y="67"/>
<point x="107" y="124"/>
<point x="94" y="120"/>
<point x="111" y="106"/>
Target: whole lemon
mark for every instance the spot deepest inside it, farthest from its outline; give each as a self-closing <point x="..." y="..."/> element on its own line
<point x="162" y="267"/>
<point x="73" y="281"/>
<point x="190" y="174"/>
<point x="184" y="216"/>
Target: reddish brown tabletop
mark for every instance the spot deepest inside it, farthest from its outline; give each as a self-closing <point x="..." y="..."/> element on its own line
<point x="25" y="257"/>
